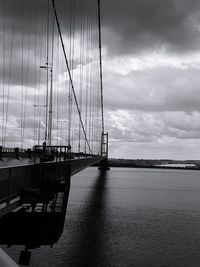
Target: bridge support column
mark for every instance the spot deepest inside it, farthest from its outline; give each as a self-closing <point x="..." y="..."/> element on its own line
<point x="104" y="152"/>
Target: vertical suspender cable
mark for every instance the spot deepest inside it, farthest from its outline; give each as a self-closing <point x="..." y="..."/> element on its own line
<point x="86" y="78"/>
<point x="4" y="57"/>
<point x="73" y="60"/>
<point x="100" y="59"/>
<point x="51" y="89"/>
<point x="9" y="77"/>
<point x="47" y="69"/>
<point x="38" y="102"/>
<point x="91" y="76"/>
<point x="58" y="84"/>
<point x="26" y="89"/>
<point x="35" y="72"/>
<point x="81" y="74"/>
<point x="69" y="93"/>
<point x="22" y="71"/>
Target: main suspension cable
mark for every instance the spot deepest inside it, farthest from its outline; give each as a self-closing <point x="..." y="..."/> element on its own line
<point x="69" y="73"/>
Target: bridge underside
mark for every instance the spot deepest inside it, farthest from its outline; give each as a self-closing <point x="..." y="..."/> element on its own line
<point x="34" y="200"/>
<point x="15" y="180"/>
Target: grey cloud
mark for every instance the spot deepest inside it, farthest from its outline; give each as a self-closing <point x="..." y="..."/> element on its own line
<point x="145" y="25"/>
<point x="128" y="27"/>
<point x="34" y="14"/>
<point x="25" y="39"/>
<point x="162" y="103"/>
<point x="139" y="127"/>
<point x="155" y="89"/>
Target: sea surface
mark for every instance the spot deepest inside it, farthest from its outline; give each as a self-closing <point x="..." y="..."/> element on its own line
<point x="128" y="217"/>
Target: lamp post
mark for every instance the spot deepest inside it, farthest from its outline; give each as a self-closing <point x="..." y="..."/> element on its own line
<point x="46" y="67"/>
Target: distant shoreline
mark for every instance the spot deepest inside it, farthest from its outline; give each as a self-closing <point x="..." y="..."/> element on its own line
<point x="154" y="167"/>
<point x="155" y="164"/>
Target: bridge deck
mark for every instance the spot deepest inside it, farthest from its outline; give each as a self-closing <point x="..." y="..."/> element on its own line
<point x="17" y="176"/>
<point x="8" y="162"/>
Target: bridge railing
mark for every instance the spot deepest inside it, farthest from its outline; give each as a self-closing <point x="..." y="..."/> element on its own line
<point x="43" y="153"/>
<point x="12" y="152"/>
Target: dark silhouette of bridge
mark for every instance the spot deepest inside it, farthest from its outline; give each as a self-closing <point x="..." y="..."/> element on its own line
<point x="66" y="98"/>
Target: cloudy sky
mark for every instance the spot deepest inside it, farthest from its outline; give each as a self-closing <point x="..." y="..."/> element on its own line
<point x="151" y="76"/>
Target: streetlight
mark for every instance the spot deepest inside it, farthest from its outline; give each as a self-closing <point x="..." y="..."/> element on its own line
<point x="47" y="96"/>
<point x="48" y="125"/>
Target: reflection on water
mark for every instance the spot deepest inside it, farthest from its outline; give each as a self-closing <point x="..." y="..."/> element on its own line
<point x="91" y="244"/>
<point x="128" y="217"/>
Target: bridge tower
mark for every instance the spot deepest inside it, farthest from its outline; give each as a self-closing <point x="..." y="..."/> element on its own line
<point x="104" y="152"/>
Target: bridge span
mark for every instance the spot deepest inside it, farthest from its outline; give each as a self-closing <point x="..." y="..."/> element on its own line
<point x="34" y="194"/>
<point x="52" y="101"/>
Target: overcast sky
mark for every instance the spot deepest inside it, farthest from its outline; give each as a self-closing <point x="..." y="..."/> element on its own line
<point x="151" y="77"/>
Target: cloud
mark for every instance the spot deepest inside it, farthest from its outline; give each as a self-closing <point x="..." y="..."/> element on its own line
<point x="151" y="63"/>
<point x="138" y="134"/>
<point x="156" y="89"/>
<point x="140" y="26"/>
<point x="128" y="27"/>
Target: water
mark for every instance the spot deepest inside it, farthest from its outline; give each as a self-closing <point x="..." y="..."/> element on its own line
<point x="130" y="217"/>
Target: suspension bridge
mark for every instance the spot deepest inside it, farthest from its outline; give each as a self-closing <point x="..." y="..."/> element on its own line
<point x="52" y="113"/>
